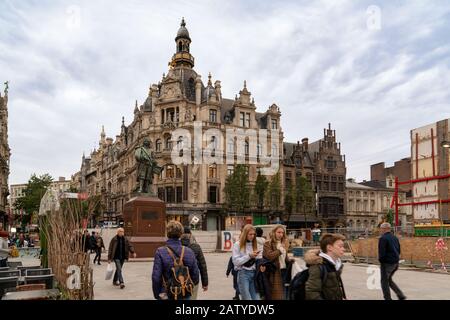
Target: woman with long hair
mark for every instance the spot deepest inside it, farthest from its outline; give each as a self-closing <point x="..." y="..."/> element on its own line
<point x="245" y="253"/>
<point x="275" y="250"/>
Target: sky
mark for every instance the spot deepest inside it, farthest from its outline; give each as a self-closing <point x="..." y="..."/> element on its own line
<point x="373" y="69"/>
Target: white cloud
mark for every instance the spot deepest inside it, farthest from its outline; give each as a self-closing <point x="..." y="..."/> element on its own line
<point x="77" y="65"/>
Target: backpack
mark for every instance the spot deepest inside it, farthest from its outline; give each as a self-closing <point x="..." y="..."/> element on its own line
<point x="297" y="285"/>
<point x="179" y="284"/>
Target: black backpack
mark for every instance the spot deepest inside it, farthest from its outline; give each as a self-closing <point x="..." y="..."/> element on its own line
<point x="297" y="286"/>
<point x="179" y="284"/>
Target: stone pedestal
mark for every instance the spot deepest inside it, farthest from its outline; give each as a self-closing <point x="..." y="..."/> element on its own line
<point x="145" y="224"/>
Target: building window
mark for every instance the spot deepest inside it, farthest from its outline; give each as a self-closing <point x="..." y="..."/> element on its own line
<point x="230" y="146"/>
<point x="247" y="148"/>
<point x="274" y="150"/>
<point x="169" y="171"/>
<point x="212" y="171"/>
<point x="230" y="169"/>
<point x="242" y="119"/>
<point x="212" y="115"/>
<point x="179" y="174"/>
<point x="161" y="194"/>
<point x="168" y="143"/>
<point x="259" y="150"/>
<point x="179" y="195"/>
<point x="247" y="120"/>
<point x="274" y="124"/>
<point x="170" y="195"/>
<point x="158" y="145"/>
<point x="213" y="194"/>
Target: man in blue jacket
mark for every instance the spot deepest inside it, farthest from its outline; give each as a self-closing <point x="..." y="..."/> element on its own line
<point x="163" y="262"/>
<point x="389" y="256"/>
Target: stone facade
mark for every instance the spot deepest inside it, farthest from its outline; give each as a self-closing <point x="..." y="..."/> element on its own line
<point x="323" y="165"/>
<point x="4" y="159"/>
<point x="181" y="100"/>
<point x="369" y="202"/>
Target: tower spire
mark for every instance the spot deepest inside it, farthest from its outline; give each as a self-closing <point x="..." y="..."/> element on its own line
<point x="182" y="57"/>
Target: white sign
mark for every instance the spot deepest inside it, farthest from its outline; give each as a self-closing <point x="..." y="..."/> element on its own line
<point x="228" y="239"/>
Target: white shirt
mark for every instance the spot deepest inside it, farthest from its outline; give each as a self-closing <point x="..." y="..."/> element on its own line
<point x="337" y="264"/>
<point x="282" y="257"/>
<point x="240" y="257"/>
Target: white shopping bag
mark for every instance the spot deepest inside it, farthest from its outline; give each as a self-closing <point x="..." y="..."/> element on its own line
<point x="109" y="272"/>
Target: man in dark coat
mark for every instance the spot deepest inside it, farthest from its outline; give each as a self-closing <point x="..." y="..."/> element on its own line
<point x="119" y="251"/>
<point x="188" y="241"/>
<point x="163" y="262"/>
<point x="230" y="268"/>
<point x="389" y="256"/>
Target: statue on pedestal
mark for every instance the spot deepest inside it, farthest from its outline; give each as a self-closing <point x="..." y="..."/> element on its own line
<point x="146" y="168"/>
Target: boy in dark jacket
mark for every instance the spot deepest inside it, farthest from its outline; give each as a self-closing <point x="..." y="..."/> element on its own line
<point x="389" y="256"/>
<point x="325" y="269"/>
<point x="188" y="241"/>
<point x="230" y="268"/>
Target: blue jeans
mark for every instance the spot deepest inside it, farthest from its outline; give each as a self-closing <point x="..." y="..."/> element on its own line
<point x="118" y="273"/>
<point x="246" y="283"/>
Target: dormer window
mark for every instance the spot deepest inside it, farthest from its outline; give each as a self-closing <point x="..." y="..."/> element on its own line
<point x="213" y="115"/>
<point x="274" y="124"/>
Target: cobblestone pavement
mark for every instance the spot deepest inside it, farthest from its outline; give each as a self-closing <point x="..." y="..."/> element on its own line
<point x="357" y="281"/>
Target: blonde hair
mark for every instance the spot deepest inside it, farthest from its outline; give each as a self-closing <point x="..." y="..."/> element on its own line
<point x="243" y="238"/>
<point x="272" y="234"/>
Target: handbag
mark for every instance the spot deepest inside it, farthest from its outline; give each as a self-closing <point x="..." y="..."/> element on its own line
<point x="109" y="272"/>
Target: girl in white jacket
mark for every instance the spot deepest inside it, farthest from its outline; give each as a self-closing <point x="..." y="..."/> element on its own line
<point x="245" y="253"/>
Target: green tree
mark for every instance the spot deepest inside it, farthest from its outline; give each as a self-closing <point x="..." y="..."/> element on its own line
<point x="306" y="203"/>
<point x="390" y="217"/>
<point x="237" y="191"/>
<point x="275" y="193"/>
<point x="261" y="187"/>
<point x="290" y="198"/>
<point x="33" y="193"/>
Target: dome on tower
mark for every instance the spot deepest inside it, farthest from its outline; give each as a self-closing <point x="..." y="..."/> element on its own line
<point x="183" y="32"/>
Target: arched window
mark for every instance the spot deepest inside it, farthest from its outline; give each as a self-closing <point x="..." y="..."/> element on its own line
<point x="212" y="171"/>
<point x="169" y="171"/>
<point x="230" y="148"/>
<point x="168" y="145"/>
<point x="180" y="46"/>
<point x="274" y="150"/>
<point x="158" y="145"/>
<point x="247" y="148"/>
<point x="179" y="173"/>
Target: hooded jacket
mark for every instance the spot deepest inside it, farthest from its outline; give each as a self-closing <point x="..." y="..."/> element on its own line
<point x="328" y="287"/>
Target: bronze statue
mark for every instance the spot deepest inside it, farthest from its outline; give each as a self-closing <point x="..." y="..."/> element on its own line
<point x="146" y="168"/>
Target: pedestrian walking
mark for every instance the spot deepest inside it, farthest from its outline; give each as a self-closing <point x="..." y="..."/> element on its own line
<point x="99" y="245"/>
<point x="93" y="242"/>
<point x="275" y="250"/>
<point x="325" y="269"/>
<point x="86" y="241"/>
<point x="245" y="253"/>
<point x="234" y="273"/>
<point x="188" y="240"/>
<point x="119" y="252"/>
<point x="174" y="259"/>
<point x="259" y="238"/>
<point x="389" y="256"/>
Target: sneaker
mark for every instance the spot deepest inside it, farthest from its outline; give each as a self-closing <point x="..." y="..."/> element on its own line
<point x="115" y="284"/>
<point x="99" y="264"/>
<point x="402" y="298"/>
<point x="122" y="286"/>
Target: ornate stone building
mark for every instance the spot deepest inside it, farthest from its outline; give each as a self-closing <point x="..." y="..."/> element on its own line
<point x="323" y="165"/>
<point x="181" y="100"/>
<point x="4" y="158"/>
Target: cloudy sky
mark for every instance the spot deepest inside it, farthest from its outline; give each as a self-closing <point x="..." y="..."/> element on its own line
<point x="374" y="69"/>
